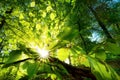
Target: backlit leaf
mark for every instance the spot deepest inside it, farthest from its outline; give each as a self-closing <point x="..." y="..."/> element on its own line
<point x="53" y="76"/>
<point x="48" y="8"/>
<point x="101" y="70"/>
<point x="52" y="16"/>
<point x="44" y="14"/>
<point x="63" y="53"/>
<point x="32" y="4"/>
<point x="21" y="16"/>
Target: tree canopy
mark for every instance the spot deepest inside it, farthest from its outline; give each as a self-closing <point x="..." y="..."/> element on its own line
<point x="59" y="39"/>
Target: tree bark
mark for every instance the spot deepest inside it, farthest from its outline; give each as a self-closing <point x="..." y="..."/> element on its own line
<point x="78" y="73"/>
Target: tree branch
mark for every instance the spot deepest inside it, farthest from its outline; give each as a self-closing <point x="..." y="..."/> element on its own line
<point x="78" y="73"/>
<point x="13" y="63"/>
<point x="82" y="38"/>
<point x="102" y="25"/>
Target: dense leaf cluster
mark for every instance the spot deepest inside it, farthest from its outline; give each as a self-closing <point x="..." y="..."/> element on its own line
<point x="59" y="39"/>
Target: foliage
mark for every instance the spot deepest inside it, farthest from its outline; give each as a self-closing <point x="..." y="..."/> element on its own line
<point x="79" y="33"/>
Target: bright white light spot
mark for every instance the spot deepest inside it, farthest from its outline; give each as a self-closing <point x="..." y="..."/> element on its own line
<point x="67" y="61"/>
<point x="96" y="37"/>
<point x="42" y="52"/>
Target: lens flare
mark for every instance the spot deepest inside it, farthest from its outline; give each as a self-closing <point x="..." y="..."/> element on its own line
<point x="42" y="52"/>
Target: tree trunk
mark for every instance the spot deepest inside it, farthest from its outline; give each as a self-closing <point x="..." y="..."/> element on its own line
<point x="102" y="25"/>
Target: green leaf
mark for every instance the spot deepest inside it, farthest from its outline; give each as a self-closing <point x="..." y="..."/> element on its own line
<point x="113" y="48"/>
<point x="44" y="68"/>
<point x="68" y="33"/>
<point x="78" y="50"/>
<point x="63" y="53"/>
<point x="16" y="55"/>
<point x="53" y="76"/>
<point x="44" y="14"/>
<point x="49" y="8"/>
<point x="21" y="16"/>
<point x="29" y="68"/>
<point x="32" y="69"/>
<point x="101" y="70"/>
<point x="52" y="16"/>
<point x="32" y="4"/>
<point x="100" y="54"/>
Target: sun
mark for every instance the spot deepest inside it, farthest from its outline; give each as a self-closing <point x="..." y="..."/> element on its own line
<point x="42" y="52"/>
